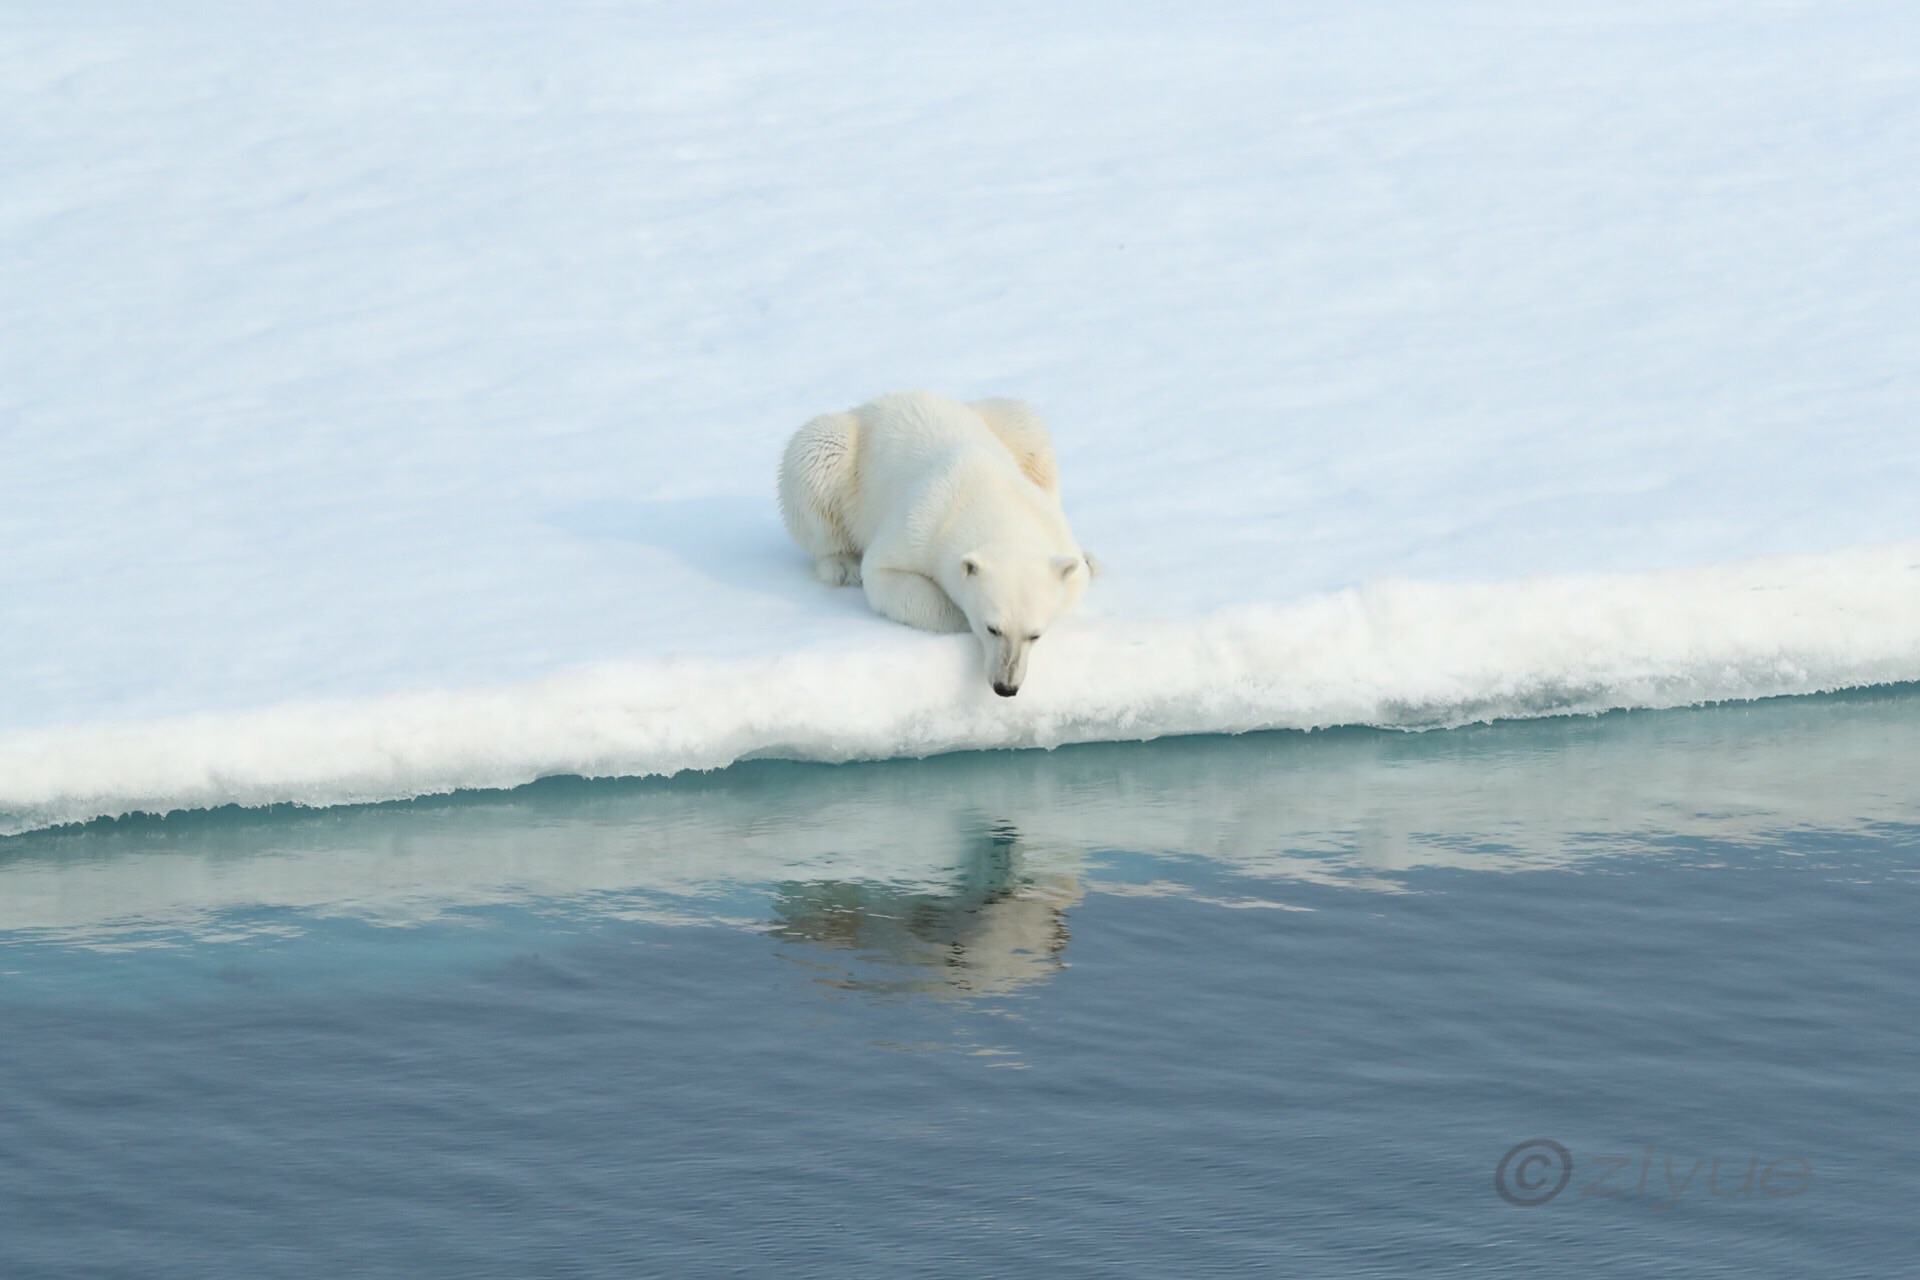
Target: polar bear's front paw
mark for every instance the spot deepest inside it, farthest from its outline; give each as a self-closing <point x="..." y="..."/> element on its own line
<point x="838" y="571"/>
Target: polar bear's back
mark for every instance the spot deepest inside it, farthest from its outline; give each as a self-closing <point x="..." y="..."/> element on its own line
<point x="907" y="432"/>
<point x="913" y="462"/>
<point x="915" y="430"/>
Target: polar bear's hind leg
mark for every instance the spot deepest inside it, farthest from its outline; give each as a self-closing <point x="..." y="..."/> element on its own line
<point x="819" y="477"/>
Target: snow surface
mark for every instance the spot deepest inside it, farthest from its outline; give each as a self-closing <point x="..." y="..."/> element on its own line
<point x="390" y="394"/>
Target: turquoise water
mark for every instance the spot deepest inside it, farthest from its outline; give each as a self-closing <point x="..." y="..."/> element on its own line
<point x="1279" y="1004"/>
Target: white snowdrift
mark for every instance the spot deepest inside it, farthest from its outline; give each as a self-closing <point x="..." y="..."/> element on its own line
<point x="390" y="394"/>
<point x="1402" y="654"/>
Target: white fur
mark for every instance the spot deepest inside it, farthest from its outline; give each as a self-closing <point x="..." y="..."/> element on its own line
<point x="947" y="513"/>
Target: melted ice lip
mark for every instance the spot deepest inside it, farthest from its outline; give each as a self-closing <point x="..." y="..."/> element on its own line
<point x="1357" y="808"/>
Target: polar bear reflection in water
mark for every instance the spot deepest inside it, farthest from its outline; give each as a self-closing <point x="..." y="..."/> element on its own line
<point x="948" y="514"/>
<point x="996" y="927"/>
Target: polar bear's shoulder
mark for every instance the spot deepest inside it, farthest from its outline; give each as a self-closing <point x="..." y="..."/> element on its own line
<point x="1020" y="429"/>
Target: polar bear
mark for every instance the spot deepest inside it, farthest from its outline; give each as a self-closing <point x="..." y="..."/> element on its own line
<point x="948" y="514"/>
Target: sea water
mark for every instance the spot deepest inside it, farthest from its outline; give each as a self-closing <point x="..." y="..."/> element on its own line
<point x="1631" y="994"/>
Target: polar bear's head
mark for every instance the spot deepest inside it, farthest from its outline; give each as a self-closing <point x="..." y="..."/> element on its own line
<point x="1010" y="599"/>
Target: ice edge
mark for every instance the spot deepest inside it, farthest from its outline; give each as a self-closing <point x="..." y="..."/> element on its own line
<point x="1400" y="654"/>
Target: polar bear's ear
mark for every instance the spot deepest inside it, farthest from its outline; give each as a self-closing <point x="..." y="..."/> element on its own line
<point x="1094" y="567"/>
<point x="1065" y="565"/>
<point x="970" y="566"/>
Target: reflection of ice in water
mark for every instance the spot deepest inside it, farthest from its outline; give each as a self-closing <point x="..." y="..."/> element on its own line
<point x="998" y="925"/>
<point x="967" y="864"/>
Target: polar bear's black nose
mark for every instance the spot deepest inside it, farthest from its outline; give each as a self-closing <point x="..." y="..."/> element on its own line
<point x="1004" y="689"/>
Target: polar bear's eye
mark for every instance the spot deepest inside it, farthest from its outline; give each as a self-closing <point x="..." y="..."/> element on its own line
<point x="1034" y="636"/>
<point x="993" y="631"/>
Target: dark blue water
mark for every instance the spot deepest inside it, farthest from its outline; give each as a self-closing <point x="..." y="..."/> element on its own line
<point x="1279" y="1004"/>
